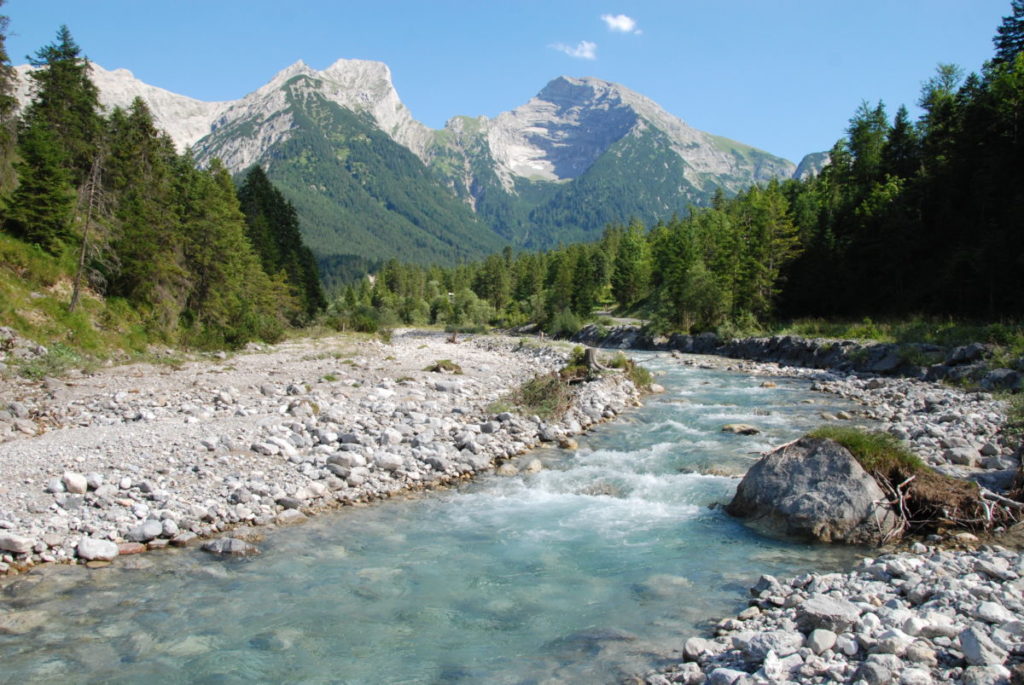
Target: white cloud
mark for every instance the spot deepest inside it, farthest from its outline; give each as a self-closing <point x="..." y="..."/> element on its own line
<point x="620" y="22"/>
<point x="583" y="50"/>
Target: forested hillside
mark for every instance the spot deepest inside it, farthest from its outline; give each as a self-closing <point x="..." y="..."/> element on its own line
<point x="124" y="235"/>
<point x="909" y="217"/>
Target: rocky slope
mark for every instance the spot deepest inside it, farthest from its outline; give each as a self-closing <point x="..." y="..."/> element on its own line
<point x="185" y="119"/>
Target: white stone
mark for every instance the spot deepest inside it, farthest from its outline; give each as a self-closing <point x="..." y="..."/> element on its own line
<point x="100" y="550"/>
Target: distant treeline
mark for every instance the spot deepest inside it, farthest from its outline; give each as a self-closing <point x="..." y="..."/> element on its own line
<point x="199" y="261"/>
<point x="922" y="217"/>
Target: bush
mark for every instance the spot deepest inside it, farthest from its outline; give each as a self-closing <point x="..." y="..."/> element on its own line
<point x="547" y="396"/>
<point x="564" y="324"/>
<point x="640" y="376"/>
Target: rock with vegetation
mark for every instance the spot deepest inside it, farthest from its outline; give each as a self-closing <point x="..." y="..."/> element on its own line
<point x="815" y="488"/>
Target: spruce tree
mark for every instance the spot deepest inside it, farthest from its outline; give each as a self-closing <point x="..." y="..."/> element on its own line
<point x="8" y="111"/>
<point x="65" y="100"/>
<point x="40" y="210"/>
<point x="1009" y="38"/>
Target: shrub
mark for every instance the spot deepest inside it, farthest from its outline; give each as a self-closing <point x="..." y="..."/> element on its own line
<point x="444" y="366"/>
<point x="564" y="324"/>
<point x="640" y="376"/>
<point x="546" y="395"/>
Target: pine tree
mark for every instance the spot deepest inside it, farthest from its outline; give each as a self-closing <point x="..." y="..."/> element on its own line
<point x="632" y="271"/>
<point x="66" y="101"/>
<point x="8" y="111"/>
<point x="41" y="207"/>
<point x="147" y="241"/>
<point x="1009" y="38"/>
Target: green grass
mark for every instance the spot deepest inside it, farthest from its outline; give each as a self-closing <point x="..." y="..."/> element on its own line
<point x="938" y="331"/>
<point x="879" y="453"/>
<point x="640" y="376"/>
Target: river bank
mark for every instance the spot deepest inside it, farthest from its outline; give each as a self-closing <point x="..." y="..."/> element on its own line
<point x="140" y="456"/>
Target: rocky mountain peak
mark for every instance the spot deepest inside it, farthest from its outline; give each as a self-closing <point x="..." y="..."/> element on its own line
<point x="184" y="119"/>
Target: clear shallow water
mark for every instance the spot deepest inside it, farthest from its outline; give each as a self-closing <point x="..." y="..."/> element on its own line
<point x="595" y="568"/>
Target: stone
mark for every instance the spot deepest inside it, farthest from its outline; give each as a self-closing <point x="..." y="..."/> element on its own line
<point x="816" y="489"/>
<point x="873" y="674"/>
<point x="21" y="622"/>
<point x="962" y="456"/>
<point x="101" y="550"/>
<point x="979" y="650"/>
<point x="75" y="483"/>
<point x="725" y="676"/>
<point x="125" y="549"/>
<point x="696" y="647"/>
<point x="184" y="539"/>
<point x="830" y="613"/>
<point x="533" y="466"/>
<point x="230" y="547"/>
<point x="991" y="612"/>
<point x="388" y="461"/>
<point x="892" y="641"/>
<point x="987" y="675"/>
<point x="507" y="469"/>
<point x="740" y="429"/>
<point x="820" y="640"/>
<point x="16" y="543"/>
<point x="781" y="642"/>
<point x="289" y="517"/>
<point x="916" y="676"/>
<point x="146" y="531"/>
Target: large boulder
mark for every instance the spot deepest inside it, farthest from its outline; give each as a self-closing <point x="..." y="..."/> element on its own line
<point x="814" y="489"/>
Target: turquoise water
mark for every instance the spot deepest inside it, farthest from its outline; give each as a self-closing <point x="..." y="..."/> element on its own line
<point x="595" y="568"/>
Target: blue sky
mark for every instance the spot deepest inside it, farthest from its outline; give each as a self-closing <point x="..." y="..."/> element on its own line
<point x="782" y="75"/>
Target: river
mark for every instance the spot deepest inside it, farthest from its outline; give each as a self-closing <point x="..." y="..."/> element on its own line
<point x="596" y="567"/>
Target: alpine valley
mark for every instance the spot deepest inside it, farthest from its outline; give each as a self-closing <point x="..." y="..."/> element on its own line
<point x="370" y="182"/>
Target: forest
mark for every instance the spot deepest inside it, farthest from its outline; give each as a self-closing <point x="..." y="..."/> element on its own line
<point x="909" y="218"/>
<point x="176" y="252"/>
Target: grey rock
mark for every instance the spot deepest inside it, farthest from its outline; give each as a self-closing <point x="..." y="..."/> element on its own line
<point x="145" y="532"/>
<point x="873" y="674"/>
<point x="388" y="461"/>
<point x="979" y="650"/>
<point x="100" y="550"/>
<point x="16" y="543"/>
<point x="820" y="640"/>
<point x="830" y="613"/>
<point x="781" y="642"/>
<point x="814" y="489"/>
<point x="230" y="547"/>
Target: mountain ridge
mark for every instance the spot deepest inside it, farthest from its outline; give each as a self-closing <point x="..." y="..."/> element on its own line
<point x="581" y="154"/>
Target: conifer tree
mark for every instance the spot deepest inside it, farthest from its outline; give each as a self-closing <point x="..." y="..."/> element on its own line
<point x="1009" y="38"/>
<point x="41" y="207"/>
<point x="66" y="101"/>
<point x="8" y="111"/>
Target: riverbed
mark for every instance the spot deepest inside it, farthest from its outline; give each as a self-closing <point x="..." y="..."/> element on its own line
<point x="595" y="568"/>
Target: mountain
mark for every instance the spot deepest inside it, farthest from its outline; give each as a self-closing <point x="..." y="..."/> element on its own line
<point x="370" y="182"/>
<point x="185" y="119"/>
<point x="811" y="165"/>
<point x="584" y="153"/>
